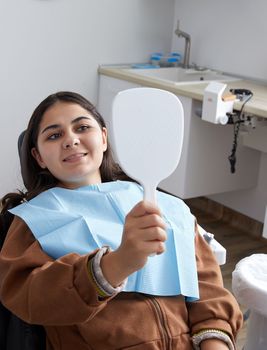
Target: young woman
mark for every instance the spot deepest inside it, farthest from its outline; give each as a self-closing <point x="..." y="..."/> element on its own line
<point x="57" y="270"/>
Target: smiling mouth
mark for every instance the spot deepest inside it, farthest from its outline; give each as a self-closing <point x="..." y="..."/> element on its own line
<point x="74" y="157"/>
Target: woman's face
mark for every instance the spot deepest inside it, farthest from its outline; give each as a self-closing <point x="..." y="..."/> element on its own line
<point x="71" y="145"/>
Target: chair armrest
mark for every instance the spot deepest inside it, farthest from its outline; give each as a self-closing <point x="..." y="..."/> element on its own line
<point x="218" y="250"/>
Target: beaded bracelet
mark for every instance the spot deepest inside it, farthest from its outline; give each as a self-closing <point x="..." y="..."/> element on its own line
<point x="104" y="288"/>
<point x="205" y="334"/>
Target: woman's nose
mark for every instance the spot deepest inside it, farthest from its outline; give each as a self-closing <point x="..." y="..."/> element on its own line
<point x="71" y="143"/>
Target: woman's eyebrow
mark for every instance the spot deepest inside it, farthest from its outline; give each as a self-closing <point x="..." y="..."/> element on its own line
<point x="56" y="126"/>
<point x="80" y="118"/>
<point x="53" y="126"/>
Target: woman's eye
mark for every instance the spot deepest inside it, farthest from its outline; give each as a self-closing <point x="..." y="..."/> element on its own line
<point x="83" y="127"/>
<point x="54" y="136"/>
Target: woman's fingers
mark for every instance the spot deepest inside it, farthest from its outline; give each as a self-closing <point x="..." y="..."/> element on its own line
<point x="145" y="222"/>
<point x="144" y="235"/>
<point x="144" y="215"/>
<point x="155" y="234"/>
<point x="152" y="220"/>
<point x="143" y="208"/>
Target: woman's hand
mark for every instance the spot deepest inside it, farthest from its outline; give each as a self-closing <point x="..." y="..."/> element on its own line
<point x="143" y="235"/>
<point x="213" y="344"/>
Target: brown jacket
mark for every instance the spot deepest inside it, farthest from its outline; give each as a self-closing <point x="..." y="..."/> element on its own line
<point x="60" y="295"/>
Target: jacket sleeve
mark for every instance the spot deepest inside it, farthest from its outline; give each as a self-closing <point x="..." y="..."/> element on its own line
<point x="217" y="308"/>
<point x="41" y="290"/>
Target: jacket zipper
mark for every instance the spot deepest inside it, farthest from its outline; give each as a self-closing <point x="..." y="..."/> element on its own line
<point x="166" y="339"/>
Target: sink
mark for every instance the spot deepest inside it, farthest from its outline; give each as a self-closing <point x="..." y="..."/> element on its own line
<point x="179" y="75"/>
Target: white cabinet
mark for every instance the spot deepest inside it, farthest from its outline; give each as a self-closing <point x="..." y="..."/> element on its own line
<point x="204" y="167"/>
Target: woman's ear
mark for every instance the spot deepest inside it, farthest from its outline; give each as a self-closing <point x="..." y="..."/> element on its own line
<point x="105" y="139"/>
<point x="36" y="155"/>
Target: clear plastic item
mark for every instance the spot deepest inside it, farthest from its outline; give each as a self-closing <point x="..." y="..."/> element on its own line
<point x="165" y="60"/>
<point x="155" y="60"/>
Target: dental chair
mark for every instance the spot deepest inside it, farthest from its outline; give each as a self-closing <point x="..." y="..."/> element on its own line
<point x="15" y="334"/>
<point x="218" y="250"/>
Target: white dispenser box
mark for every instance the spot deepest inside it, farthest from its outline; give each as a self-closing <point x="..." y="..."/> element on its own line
<point x="214" y="109"/>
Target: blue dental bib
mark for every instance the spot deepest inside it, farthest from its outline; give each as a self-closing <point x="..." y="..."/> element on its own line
<point x="78" y="221"/>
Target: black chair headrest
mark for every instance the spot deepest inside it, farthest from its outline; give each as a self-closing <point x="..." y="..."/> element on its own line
<point x="21" y="151"/>
<point x="20" y="141"/>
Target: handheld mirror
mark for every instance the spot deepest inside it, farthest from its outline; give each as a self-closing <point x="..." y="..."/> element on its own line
<point x="148" y="126"/>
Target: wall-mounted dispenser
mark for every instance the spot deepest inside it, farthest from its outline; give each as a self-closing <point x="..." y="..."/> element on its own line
<point x="218" y="109"/>
<point x="215" y="107"/>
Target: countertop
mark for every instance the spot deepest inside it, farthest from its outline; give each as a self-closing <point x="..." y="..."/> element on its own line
<point x="257" y="106"/>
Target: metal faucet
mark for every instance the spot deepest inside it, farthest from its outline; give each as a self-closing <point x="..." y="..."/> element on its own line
<point x="187" y="38"/>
